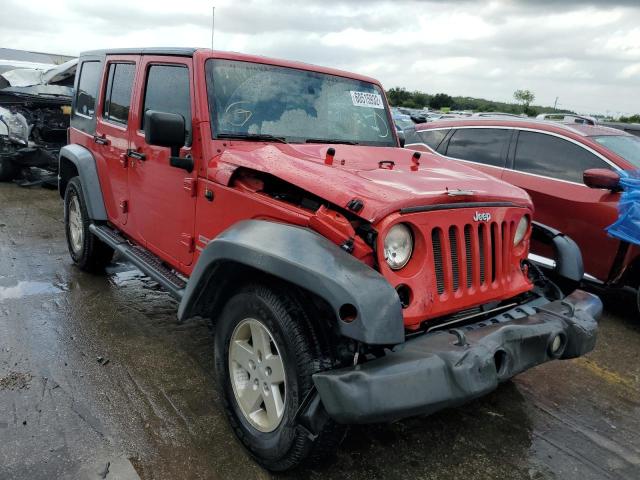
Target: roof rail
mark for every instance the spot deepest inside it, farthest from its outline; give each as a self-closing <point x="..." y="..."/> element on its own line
<point x="567" y="118"/>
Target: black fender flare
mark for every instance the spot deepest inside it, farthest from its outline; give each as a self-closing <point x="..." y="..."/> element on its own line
<point x="568" y="258"/>
<point x="306" y="259"/>
<point x="85" y="164"/>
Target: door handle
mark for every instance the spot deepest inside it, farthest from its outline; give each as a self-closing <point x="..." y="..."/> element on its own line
<point x="136" y="155"/>
<point x="101" y="140"/>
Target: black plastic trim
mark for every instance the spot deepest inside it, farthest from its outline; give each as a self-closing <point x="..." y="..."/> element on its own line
<point x="568" y="258"/>
<point x="306" y="259"/>
<point x="145" y="261"/>
<point x="452" y="206"/>
<point x="85" y="163"/>
<point x="169" y="51"/>
<point x="446" y="369"/>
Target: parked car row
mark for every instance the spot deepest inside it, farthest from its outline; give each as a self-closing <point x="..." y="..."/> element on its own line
<point x="571" y="171"/>
<point x="349" y="280"/>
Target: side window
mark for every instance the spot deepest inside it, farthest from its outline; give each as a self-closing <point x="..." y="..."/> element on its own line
<point x="553" y="157"/>
<point x="85" y="100"/>
<point x="117" y="95"/>
<point x="168" y="91"/>
<point x="432" y="137"/>
<point x="481" y="145"/>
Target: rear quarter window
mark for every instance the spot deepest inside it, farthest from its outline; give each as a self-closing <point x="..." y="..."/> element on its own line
<point x="84" y="105"/>
<point x="553" y="157"/>
<point x="481" y="145"/>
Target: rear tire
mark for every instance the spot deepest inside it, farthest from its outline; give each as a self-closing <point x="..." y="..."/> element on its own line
<point x="8" y="170"/>
<point x="87" y="251"/>
<point x="256" y="319"/>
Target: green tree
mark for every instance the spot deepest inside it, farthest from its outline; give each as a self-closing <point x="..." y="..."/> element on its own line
<point x="441" y="100"/>
<point x="524" y="97"/>
<point x="398" y="96"/>
<point x="632" y="119"/>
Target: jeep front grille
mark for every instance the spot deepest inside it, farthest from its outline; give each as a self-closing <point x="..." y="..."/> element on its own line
<point x="472" y="256"/>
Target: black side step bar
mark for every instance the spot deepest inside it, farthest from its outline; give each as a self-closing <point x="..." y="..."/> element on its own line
<point x="146" y="261"/>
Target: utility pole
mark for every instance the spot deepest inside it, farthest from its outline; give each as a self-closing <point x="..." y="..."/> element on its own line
<point x="213" y="20"/>
<point x="555" y="104"/>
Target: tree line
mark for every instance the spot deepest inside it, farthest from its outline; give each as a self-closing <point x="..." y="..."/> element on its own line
<point x="401" y="97"/>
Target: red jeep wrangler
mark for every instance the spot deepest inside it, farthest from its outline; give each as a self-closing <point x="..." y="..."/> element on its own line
<point x="349" y="280"/>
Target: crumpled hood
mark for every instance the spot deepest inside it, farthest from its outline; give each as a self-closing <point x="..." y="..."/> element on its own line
<point x="356" y="174"/>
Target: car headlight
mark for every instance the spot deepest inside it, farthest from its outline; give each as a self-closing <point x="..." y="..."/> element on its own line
<point x="521" y="230"/>
<point x="398" y="246"/>
<point x="17" y="126"/>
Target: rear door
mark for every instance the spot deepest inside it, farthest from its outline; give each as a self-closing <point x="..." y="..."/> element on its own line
<point x="112" y="133"/>
<point x="483" y="148"/>
<point x="162" y="196"/>
<point x="550" y="168"/>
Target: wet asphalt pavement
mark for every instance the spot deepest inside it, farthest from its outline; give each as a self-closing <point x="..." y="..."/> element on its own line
<point x="97" y="380"/>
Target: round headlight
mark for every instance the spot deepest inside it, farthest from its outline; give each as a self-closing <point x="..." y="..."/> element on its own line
<point x="521" y="230"/>
<point x="398" y="245"/>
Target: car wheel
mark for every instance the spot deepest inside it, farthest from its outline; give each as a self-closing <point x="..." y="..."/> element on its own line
<point x="87" y="251"/>
<point x="8" y="170"/>
<point x="264" y="360"/>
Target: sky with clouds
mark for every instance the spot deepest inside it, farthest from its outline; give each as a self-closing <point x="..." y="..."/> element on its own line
<point x="585" y="52"/>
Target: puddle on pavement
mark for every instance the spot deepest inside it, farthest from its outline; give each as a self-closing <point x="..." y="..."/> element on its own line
<point x="123" y="274"/>
<point x="25" y="288"/>
<point x="121" y="278"/>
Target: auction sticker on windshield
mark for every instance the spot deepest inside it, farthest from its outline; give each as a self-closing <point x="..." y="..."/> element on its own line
<point x="366" y="99"/>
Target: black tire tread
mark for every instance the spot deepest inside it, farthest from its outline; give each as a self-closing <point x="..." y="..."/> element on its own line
<point x="306" y="350"/>
<point x="96" y="254"/>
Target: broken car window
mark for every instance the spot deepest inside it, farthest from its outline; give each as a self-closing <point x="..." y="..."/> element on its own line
<point x="298" y="105"/>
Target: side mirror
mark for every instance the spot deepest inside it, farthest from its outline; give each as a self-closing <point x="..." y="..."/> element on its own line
<point x="601" y="178"/>
<point x="167" y="130"/>
<point x="401" y="137"/>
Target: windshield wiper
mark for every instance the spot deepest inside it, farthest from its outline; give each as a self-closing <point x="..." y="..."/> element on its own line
<point x="327" y="140"/>
<point x="257" y="137"/>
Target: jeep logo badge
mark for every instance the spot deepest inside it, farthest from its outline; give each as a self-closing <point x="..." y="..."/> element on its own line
<point x="481" y="217"/>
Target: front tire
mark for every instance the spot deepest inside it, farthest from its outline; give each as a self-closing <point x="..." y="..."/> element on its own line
<point x="265" y="355"/>
<point x="86" y="250"/>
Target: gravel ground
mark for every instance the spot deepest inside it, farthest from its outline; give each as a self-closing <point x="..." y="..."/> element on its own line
<point x="97" y="380"/>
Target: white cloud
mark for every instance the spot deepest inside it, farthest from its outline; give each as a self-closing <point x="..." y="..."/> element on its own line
<point x="587" y="52"/>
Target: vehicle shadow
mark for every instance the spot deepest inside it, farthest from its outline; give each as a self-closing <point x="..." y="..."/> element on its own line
<point x="487" y="438"/>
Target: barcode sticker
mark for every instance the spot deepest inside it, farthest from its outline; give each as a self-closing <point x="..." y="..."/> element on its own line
<point x="366" y="99"/>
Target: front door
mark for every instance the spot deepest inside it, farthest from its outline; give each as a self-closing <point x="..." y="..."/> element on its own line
<point x="550" y="169"/>
<point x="112" y="133"/>
<point x="163" y="197"/>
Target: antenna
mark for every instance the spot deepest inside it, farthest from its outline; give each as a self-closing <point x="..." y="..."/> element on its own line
<point x="213" y="20"/>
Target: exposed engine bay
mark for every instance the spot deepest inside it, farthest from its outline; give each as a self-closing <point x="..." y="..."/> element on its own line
<point x="35" y="107"/>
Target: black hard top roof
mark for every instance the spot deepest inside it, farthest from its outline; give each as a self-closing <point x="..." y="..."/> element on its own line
<point x="173" y="51"/>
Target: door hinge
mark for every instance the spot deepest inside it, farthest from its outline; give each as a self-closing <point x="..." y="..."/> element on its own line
<point x="187" y="241"/>
<point x="189" y="184"/>
<point x="124" y="206"/>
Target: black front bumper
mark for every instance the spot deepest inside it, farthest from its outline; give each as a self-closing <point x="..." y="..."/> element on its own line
<point x="448" y="368"/>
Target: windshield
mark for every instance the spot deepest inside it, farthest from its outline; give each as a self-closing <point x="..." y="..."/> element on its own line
<point x="627" y="146"/>
<point x="250" y="99"/>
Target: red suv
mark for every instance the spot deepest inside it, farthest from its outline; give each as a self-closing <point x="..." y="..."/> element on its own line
<point x="349" y="280"/>
<point x="570" y="171"/>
